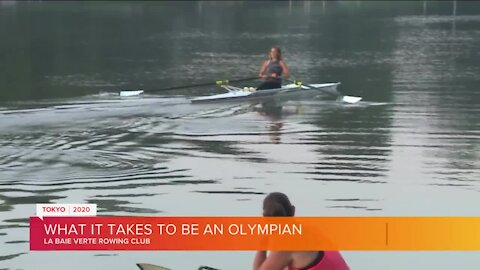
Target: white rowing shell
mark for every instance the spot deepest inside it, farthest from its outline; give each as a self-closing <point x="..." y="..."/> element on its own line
<point x="290" y="89"/>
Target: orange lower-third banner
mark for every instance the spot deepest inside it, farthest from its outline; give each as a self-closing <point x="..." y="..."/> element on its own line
<point x="254" y="233"/>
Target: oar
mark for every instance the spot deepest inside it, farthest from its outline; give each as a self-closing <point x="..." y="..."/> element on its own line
<point x="126" y="93"/>
<point x="347" y="99"/>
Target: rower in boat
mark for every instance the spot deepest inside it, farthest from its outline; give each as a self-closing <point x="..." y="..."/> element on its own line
<point x="278" y="205"/>
<point x="272" y="70"/>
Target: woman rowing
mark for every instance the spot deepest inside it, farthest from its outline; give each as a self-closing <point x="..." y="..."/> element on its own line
<point x="278" y="205"/>
<point x="272" y="70"/>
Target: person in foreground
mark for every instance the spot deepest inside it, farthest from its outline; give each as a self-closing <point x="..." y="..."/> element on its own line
<point x="273" y="70"/>
<point x="277" y="204"/>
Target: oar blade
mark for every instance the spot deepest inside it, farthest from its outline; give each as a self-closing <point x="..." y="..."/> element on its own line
<point x="350" y="99"/>
<point x="130" y="93"/>
<point x="147" y="266"/>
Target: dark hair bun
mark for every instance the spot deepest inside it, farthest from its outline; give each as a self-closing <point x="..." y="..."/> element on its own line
<point x="277" y="204"/>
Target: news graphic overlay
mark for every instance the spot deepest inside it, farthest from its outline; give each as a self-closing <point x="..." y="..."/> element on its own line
<point x="66" y="210"/>
<point x="89" y="232"/>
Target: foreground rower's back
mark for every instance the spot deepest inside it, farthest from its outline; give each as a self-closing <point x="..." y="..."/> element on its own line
<point x="329" y="260"/>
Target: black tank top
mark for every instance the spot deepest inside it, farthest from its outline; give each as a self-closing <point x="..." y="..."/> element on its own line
<point x="273" y="66"/>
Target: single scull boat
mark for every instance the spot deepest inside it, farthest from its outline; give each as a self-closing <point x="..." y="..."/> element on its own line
<point x="286" y="92"/>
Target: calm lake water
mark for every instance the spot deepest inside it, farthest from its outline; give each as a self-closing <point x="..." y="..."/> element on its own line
<point x="411" y="147"/>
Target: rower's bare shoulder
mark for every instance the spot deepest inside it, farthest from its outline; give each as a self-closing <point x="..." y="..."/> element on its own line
<point x="283" y="64"/>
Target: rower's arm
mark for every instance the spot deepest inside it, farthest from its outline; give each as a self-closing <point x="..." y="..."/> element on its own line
<point x="276" y="260"/>
<point x="262" y="69"/>
<point x="260" y="257"/>
<point x="285" y="71"/>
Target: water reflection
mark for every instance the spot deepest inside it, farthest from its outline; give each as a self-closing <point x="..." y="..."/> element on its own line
<point x="273" y="112"/>
<point x="352" y="152"/>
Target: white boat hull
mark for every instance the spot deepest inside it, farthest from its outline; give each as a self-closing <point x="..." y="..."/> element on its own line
<point x="287" y="92"/>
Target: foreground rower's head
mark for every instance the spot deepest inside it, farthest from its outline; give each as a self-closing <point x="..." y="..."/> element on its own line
<point x="277" y="204"/>
<point x="275" y="53"/>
